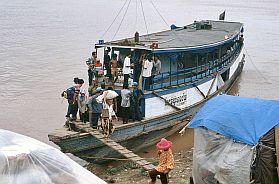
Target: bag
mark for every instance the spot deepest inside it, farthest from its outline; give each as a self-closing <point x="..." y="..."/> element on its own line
<point x="68" y="93"/>
<point x="105" y="113"/>
<point x="64" y="94"/>
<point x="111" y="94"/>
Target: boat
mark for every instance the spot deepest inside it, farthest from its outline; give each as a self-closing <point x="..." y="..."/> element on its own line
<point x="236" y="140"/>
<point x="199" y="61"/>
<point x="25" y="160"/>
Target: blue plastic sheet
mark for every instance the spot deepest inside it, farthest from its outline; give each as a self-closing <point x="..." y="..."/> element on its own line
<point x="241" y="119"/>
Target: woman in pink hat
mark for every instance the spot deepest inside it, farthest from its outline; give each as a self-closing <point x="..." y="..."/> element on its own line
<point x="166" y="162"/>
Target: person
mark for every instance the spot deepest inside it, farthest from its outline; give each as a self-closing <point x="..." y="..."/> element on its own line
<point x="136" y="97"/>
<point x="72" y="94"/>
<point x="166" y="163"/>
<point x="146" y="74"/>
<point x="125" y="103"/>
<point x="90" y="63"/>
<point x="114" y="68"/>
<point x="156" y="70"/>
<point x="138" y="66"/>
<point x="126" y="69"/>
<point x="82" y="101"/>
<point x="98" y="72"/>
<point x="107" y="63"/>
<point x="95" y="108"/>
<point x="108" y="113"/>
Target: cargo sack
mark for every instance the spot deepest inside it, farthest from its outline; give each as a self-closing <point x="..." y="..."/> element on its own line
<point x="105" y="113"/>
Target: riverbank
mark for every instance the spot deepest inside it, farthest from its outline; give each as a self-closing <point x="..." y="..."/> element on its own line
<point x="128" y="172"/>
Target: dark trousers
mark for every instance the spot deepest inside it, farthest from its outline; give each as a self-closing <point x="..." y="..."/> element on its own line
<point x="126" y="79"/>
<point x="90" y="77"/>
<point x="146" y="83"/>
<point x="135" y="111"/>
<point x="72" y="109"/>
<point x="82" y="117"/>
<point x="94" y="120"/>
<point x="153" y="174"/>
<point x="125" y="114"/>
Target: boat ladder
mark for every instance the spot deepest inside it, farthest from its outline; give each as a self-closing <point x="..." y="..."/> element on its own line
<point x="116" y="146"/>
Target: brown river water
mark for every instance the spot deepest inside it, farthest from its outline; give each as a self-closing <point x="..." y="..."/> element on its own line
<point x="44" y="45"/>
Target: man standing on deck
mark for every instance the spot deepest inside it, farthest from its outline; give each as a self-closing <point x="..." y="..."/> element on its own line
<point x="90" y="63"/>
<point x="125" y="104"/>
<point x="107" y="63"/>
<point x="72" y="94"/>
<point x="136" y="98"/>
<point x="127" y="69"/>
<point x="114" y="68"/>
<point x="95" y="108"/>
<point x="147" y="71"/>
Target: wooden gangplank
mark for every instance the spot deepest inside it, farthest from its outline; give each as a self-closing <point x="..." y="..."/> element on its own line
<point x="114" y="145"/>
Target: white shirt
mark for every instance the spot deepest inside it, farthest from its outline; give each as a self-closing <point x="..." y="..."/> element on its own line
<point x="126" y="66"/>
<point x="147" y="68"/>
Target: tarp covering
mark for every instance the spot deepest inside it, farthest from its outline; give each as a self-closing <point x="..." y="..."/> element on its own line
<point x="264" y="166"/>
<point x="24" y="160"/>
<point x="241" y="119"/>
<point x="217" y="159"/>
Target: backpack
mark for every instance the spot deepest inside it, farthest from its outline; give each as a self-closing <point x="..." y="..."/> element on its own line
<point x="68" y="93"/>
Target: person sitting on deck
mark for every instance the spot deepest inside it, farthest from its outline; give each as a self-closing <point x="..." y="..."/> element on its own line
<point x="166" y="162"/>
<point x="125" y="103"/>
<point x="95" y="108"/>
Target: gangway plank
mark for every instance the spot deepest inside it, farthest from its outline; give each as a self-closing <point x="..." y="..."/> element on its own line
<point x="114" y="145"/>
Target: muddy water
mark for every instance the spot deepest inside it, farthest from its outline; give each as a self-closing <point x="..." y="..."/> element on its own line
<point x="44" y="45"/>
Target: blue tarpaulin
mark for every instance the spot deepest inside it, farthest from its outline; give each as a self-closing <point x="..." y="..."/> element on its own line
<point x="241" y="119"/>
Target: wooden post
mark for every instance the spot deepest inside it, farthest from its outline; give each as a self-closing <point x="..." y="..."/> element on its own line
<point x="277" y="147"/>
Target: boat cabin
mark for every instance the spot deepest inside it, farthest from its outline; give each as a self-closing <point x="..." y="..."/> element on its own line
<point x="188" y="54"/>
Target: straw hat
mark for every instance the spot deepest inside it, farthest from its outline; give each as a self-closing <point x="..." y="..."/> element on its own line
<point x="164" y="144"/>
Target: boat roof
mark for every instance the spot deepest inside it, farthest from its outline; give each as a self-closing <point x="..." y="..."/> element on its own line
<point x="197" y="34"/>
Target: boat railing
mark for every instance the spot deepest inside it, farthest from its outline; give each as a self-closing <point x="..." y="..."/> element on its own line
<point x="186" y="75"/>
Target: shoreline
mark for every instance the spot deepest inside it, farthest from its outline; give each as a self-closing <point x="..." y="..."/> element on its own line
<point x="124" y="172"/>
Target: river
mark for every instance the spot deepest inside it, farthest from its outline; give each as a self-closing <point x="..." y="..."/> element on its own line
<point x="44" y="45"/>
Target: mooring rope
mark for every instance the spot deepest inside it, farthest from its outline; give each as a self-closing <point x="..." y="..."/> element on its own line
<point x="144" y="18"/>
<point x="258" y="71"/>
<point x="172" y="31"/>
<point x="122" y="20"/>
<point x="114" y="19"/>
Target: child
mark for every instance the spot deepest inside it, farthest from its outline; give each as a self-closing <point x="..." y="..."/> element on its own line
<point x="166" y="162"/>
<point x="82" y="100"/>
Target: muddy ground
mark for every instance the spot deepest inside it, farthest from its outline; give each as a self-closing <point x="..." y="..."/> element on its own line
<point x="125" y="172"/>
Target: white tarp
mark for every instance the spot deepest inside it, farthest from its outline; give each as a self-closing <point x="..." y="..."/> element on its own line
<point x="24" y="160"/>
<point x="217" y="158"/>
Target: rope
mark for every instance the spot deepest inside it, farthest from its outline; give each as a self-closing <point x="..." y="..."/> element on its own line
<point x="136" y="27"/>
<point x="173" y="32"/>
<point x="144" y="18"/>
<point x="123" y="159"/>
<point x="121" y="20"/>
<point x="252" y="62"/>
<point x="114" y="19"/>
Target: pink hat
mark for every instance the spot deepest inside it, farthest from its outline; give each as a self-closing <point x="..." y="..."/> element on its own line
<point x="164" y="144"/>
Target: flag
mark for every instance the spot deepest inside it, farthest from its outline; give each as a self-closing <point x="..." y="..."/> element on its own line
<point x="222" y="16"/>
